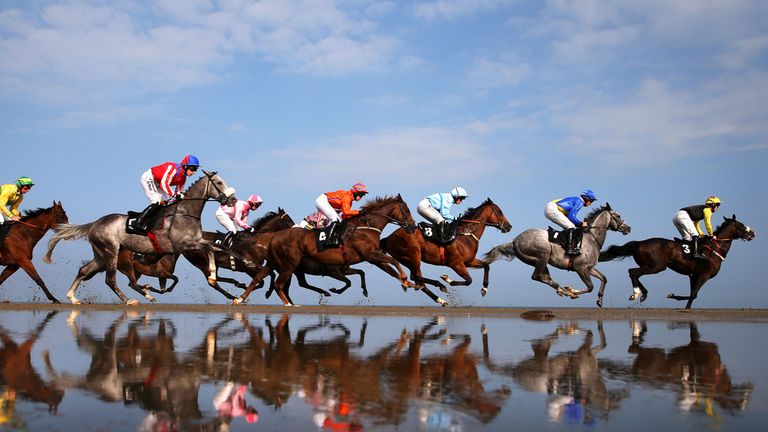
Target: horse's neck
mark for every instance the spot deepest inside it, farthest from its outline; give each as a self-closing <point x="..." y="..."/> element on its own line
<point x="41" y="225"/>
<point x="474" y="227"/>
<point x="601" y="221"/>
<point x="373" y="219"/>
<point x="192" y="207"/>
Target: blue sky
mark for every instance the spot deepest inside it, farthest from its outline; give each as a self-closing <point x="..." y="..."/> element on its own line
<point x="655" y="105"/>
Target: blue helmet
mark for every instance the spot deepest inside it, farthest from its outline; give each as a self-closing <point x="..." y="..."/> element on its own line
<point x="588" y="194"/>
<point x="190" y="160"/>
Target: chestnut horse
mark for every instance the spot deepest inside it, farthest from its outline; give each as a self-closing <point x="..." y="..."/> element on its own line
<point x="411" y="249"/>
<point x="359" y="243"/>
<point x="657" y="254"/>
<point x="16" y="248"/>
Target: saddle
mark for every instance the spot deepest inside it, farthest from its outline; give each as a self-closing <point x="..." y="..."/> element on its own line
<point x="330" y="237"/>
<point x="153" y="222"/>
<point x="688" y="248"/>
<point x="560" y="238"/>
<point x="225" y="240"/>
<point x="439" y="234"/>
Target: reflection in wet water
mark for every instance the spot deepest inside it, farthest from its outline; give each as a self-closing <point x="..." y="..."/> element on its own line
<point x="188" y="371"/>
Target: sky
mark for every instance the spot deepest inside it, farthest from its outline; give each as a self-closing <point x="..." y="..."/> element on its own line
<point x="654" y="105"/>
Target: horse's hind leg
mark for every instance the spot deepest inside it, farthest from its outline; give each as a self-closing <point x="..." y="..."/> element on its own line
<point x="541" y="274"/>
<point x="302" y="278"/>
<point x="637" y="287"/>
<point x="585" y="276"/>
<point x="85" y="272"/>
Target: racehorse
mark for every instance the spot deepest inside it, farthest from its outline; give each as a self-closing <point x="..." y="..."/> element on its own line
<point x="657" y="254"/>
<point x="360" y="241"/>
<point x="534" y="248"/>
<point x="411" y="249"/>
<point x="247" y="245"/>
<point x="177" y="230"/>
<point x="16" y="248"/>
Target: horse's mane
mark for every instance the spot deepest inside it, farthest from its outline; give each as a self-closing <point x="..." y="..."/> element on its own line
<point x="470" y="213"/>
<point x="377" y="202"/>
<point x="724" y="224"/>
<point x="593" y="214"/>
<point x="29" y="214"/>
<point x="258" y="223"/>
<point x="196" y="182"/>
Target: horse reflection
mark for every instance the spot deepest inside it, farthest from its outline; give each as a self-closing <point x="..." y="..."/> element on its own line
<point x="140" y="366"/>
<point x="695" y="371"/>
<point x="573" y="380"/>
<point x="17" y="375"/>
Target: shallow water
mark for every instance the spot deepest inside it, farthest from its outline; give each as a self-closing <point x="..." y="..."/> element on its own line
<point x="115" y="370"/>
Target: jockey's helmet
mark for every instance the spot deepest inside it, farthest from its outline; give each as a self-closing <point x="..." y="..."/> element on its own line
<point x="458" y="193"/>
<point x="588" y="194"/>
<point x="190" y="161"/>
<point x="359" y="188"/>
<point x="712" y="201"/>
<point x="255" y="199"/>
<point x="24" y="181"/>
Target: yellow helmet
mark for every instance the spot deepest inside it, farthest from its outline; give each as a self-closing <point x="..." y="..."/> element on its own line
<point x="712" y="201"/>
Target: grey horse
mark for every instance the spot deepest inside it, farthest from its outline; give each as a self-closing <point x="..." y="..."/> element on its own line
<point x="533" y="248"/>
<point x="179" y="230"/>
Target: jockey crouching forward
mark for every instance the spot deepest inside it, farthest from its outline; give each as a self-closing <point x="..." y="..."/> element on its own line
<point x="235" y="216"/>
<point x="157" y="182"/>
<point x="563" y="212"/>
<point x="11" y="196"/>
<point x="687" y="222"/>
<point x="341" y="200"/>
<point x="436" y="208"/>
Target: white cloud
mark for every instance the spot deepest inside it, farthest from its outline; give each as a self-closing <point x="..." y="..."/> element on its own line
<point x="450" y="9"/>
<point x="486" y="74"/>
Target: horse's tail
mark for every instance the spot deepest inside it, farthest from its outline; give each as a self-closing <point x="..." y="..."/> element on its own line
<point x="620" y="252"/>
<point x="505" y="251"/>
<point x="66" y="232"/>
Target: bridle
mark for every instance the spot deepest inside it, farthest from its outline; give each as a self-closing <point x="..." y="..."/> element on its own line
<point x="407" y="226"/>
<point x="499" y="225"/>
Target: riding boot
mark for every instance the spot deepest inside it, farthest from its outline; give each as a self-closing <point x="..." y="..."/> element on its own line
<point x="333" y="233"/>
<point x="572" y="241"/>
<point x="444" y="231"/>
<point x="140" y="223"/>
<point x="697" y="247"/>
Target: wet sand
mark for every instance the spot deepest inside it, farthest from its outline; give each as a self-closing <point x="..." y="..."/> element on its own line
<point x="536" y="313"/>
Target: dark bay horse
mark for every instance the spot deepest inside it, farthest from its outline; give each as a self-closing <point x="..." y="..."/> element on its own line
<point x="534" y="248"/>
<point x="360" y="243"/>
<point x="657" y="254"/>
<point x="16" y="248"/>
<point x="411" y="249"/>
<point x="248" y="245"/>
<point x="178" y="230"/>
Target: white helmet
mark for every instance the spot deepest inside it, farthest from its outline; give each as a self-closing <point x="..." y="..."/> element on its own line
<point x="458" y="192"/>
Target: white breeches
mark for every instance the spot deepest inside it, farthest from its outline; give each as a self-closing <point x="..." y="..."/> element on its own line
<point x="225" y="220"/>
<point x="3" y="218"/>
<point x="685" y="225"/>
<point x="325" y="208"/>
<point x="425" y="209"/>
<point x="555" y="215"/>
<point x="150" y="187"/>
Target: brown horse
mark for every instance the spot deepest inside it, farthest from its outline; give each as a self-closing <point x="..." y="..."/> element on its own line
<point x="657" y="254"/>
<point x="411" y="249"/>
<point x="16" y="248"/>
<point x="360" y="243"/>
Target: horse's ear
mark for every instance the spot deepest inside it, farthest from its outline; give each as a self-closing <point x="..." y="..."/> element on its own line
<point x="608" y="206"/>
<point x="734" y="216"/>
<point x="279" y="209"/>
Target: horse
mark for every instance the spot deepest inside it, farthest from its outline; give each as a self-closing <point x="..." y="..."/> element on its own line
<point x="247" y="246"/>
<point x="360" y="242"/>
<point x="178" y="229"/>
<point x="656" y="254"/>
<point x="411" y="249"/>
<point x="534" y="248"/>
<point x="16" y="248"/>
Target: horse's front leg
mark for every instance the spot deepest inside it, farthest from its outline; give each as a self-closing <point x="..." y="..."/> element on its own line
<point x="111" y="280"/>
<point x="461" y="270"/>
<point x="26" y="265"/>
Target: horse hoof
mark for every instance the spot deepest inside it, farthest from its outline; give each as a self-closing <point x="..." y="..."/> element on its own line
<point x="442" y="302"/>
<point x="671" y="295"/>
<point x="443" y="289"/>
<point x="237" y="301"/>
<point x="483" y="291"/>
<point x="599" y="302"/>
<point x="132" y="302"/>
<point x="445" y="278"/>
<point x="642" y="299"/>
<point x="632" y="297"/>
<point x="74" y="300"/>
<point x="152" y="299"/>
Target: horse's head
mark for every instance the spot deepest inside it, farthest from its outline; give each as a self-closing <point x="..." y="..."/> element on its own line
<point x="615" y="222"/>
<point x="59" y="215"/>
<point x="217" y="188"/>
<point x="394" y="209"/>
<point x="273" y="221"/>
<point x="496" y="217"/>
<point x="735" y="230"/>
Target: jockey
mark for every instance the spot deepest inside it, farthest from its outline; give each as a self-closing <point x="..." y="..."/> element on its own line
<point x="236" y="215"/>
<point x="157" y="182"/>
<point x="341" y="200"/>
<point x="436" y="208"/>
<point x="12" y="195"/>
<point x="687" y="221"/>
<point x="563" y="212"/>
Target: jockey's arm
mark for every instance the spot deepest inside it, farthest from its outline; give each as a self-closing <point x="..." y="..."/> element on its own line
<point x="707" y="220"/>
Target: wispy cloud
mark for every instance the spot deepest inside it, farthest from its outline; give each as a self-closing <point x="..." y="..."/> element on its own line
<point x="486" y="74"/>
<point x="450" y="9"/>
